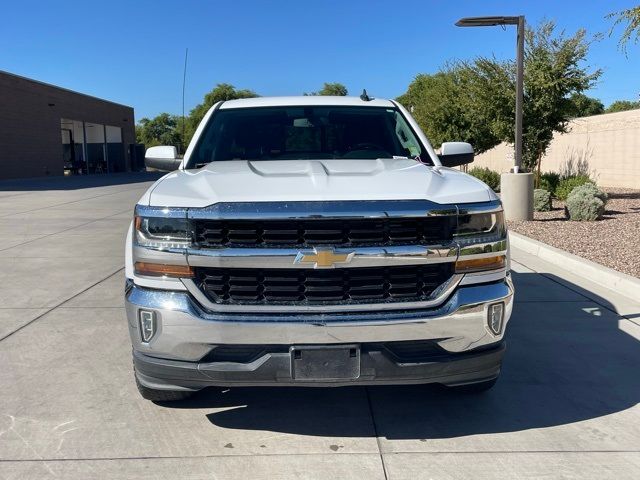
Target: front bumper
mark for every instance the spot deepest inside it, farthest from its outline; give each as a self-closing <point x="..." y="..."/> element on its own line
<point x="274" y="369"/>
<point x="186" y="333"/>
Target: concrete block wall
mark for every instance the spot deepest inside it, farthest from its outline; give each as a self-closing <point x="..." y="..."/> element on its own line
<point x="610" y="143"/>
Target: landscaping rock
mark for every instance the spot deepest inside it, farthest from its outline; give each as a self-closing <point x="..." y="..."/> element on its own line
<point x="608" y="241"/>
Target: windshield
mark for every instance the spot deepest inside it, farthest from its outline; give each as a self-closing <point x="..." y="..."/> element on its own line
<point x="314" y="132"/>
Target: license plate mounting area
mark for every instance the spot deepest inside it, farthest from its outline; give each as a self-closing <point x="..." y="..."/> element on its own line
<point x="324" y="363"/>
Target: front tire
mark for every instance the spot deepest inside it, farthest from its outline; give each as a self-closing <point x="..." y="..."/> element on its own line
<point x="162" y="395"/>
<point x="474" y="388"/>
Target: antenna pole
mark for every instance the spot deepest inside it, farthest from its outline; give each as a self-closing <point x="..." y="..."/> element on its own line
<point x="184" y="81"/>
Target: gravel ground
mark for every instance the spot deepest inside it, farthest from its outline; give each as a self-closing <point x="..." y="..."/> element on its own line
<point x="613" y="241"/>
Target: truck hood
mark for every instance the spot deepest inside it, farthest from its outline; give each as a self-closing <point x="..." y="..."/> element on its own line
<point x="315" y="180"/>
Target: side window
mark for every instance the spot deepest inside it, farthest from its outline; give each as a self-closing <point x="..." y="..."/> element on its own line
<point x="405" y="136"/>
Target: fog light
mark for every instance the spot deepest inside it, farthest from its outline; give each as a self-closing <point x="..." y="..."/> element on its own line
<point x="495" y="317"/>
<point x="147" y="324"/>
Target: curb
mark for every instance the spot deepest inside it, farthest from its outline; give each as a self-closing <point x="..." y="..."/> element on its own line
<point x="604" y="276"/>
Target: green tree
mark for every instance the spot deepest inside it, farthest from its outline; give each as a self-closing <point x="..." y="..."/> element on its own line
<point x="160" y="130"/>
<point x="222" y="91"/>
<point x="475" y="101"/>
<point x="630" y="17"/>
<point x="331" y="89"/>
<point x="446" y="110"/>
<point x="554" y="70"/>
<point x="622" y="105"/>
<point x="583" y="106"/>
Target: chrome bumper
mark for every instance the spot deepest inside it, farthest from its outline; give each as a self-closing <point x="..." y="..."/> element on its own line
<point x="186" y="332"/>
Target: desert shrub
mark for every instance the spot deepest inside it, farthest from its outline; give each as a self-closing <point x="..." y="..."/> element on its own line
<point x="584" y="206"/>
<point x="567" y="184"/>
<point x="488" y="176"/>
<point x="577" y="163"/>
<point x="549" y="182"/>
<point x="541" y="200"/>
<point x="590" y="189"/>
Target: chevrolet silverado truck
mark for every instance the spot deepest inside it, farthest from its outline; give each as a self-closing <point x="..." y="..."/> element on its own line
<point x="315" y="241"/>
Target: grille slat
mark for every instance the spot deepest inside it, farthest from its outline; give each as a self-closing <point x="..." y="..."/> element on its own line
<point x="309" y="286"/>
<point x="309" y="232"/>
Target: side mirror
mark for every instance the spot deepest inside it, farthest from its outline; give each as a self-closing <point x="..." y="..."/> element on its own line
<point x="455" y="153"/>
<point x="163" y="158"/>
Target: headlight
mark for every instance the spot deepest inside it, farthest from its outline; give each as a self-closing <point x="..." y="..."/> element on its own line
<point x="480" y="226"/>
<point x="481" y="233"/>
<point x="163" y="233"/>
<point x="482" y="238"/>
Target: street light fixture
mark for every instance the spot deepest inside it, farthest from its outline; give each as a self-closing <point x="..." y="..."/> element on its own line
<point x="488" y="21"/>
<point x="521" y="206"/>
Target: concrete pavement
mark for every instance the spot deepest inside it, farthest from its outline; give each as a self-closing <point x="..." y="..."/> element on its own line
<point x="565" y="407"/>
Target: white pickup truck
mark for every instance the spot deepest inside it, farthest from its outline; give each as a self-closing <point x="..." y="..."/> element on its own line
<point x="315" y="241"/>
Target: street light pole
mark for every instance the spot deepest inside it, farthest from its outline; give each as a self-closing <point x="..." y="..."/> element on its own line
<point x="516" y="188"/>
<point x="519" y="94"/>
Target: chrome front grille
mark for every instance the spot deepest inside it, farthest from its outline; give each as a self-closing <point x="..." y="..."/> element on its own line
<point x="252" y="286"/>
<point x="384" y="252"/>
<point x="326" y="257"/>
<point x="313" y="232"/>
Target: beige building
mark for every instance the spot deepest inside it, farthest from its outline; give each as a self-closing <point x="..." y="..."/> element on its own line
<point x="608" y="143"/>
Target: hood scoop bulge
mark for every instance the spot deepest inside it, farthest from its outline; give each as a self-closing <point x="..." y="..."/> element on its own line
<point x="316" y="168"/>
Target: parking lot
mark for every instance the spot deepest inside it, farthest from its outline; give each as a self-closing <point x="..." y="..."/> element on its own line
<point x="565" y="407"/>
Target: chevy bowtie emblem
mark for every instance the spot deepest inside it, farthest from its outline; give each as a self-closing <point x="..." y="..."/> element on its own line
<point x="323" y="257"/>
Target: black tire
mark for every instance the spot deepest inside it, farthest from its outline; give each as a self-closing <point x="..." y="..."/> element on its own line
<point x="162" y="395"/>
<point x="471" y="388"/>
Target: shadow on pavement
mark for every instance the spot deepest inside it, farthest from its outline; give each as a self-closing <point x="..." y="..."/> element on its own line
<point x="76" y="182"/>
<point x="566" y="361"/>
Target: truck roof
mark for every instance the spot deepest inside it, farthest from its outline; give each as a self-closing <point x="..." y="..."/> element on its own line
<point x="307" y="100"/>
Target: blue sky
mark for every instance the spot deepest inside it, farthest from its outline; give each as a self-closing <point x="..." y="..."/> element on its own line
<point x="132" y="52"/>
